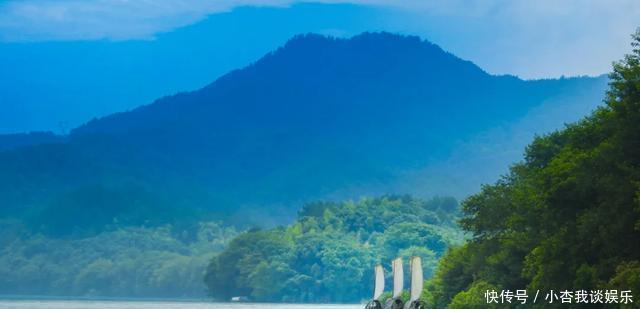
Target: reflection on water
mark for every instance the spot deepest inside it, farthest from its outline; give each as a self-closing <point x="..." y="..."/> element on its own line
<point x="38" y="304"/>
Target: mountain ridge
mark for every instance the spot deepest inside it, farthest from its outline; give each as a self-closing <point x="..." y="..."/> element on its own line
<point x="313" y="117"/>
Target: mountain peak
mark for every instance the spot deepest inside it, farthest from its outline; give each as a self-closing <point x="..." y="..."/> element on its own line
<point x="382" y="37"/>
<point x="370" y="46"/>
<point x="314" y="117"/>
<point x="369" y="63"/>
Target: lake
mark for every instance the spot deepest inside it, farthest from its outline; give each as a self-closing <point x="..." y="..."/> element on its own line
<point x="79" y="304"/>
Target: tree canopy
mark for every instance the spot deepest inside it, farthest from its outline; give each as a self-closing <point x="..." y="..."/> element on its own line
<point x="328" y="253"/>
<point x="568" y="217"/>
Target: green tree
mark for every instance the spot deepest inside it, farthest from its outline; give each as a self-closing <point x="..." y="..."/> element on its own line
<point x="566" y="217"/>
<point x="328" y="254"/>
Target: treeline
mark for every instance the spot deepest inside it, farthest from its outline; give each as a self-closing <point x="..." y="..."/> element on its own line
<point x="567" y="218"/>
<point x="162" y="261"/>
<point x="328" y="253"/>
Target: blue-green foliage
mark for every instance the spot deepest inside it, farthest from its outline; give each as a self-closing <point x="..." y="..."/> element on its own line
<point x="328" y="254"/>
<point x="125" y="262"/>
<point x="567" y="218"/>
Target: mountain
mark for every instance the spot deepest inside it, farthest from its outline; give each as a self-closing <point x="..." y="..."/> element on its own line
<point x="317" y="116"/>
<point x="10" y="141"/>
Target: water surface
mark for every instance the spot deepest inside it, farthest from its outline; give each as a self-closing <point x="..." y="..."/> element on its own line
<point x="78" y="304"/>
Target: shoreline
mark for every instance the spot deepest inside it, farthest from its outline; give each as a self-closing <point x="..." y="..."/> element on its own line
<point x="46" y="298"/>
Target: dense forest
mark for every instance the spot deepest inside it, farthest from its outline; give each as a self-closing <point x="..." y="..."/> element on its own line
<point x="162" y="261"/>
<point x="328" y="253"/>
<point x="566" y="218"/>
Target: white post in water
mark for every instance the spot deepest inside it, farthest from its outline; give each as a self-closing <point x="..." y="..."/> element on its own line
<point x="416" y="278"/>
<point x="398" y="277"/>
<point x="379" y="283"/>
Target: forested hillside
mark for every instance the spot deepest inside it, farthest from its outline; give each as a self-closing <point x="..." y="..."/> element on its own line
<point x="567" y="218"/>
<point x="328" y="253"/>
<point x="162" y="262"/>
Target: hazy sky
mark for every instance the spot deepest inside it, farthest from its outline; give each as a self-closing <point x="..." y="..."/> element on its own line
<point x="531" y="39"/>
<point x="65" y="61"/>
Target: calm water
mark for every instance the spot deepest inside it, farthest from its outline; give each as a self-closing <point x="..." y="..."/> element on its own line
<point x="55" y="304"/>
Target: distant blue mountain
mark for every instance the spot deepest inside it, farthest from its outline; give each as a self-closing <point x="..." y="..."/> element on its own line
<point x="314" y="117"/>
<point x="11" y="141"/>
